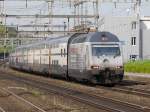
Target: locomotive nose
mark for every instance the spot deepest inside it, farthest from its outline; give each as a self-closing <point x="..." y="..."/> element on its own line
<point x="105" y="60"/>
<point x="106" y="63"/>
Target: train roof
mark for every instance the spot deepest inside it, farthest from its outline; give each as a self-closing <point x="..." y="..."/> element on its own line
<point x="58" y="39"/>
<point x="103" y="37"/>
<point x="77" y="38"/>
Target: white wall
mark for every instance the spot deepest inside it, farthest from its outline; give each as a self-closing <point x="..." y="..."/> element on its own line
<point x="122" y="27"/>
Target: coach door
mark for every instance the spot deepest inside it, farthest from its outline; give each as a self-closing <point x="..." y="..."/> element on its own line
<point x="49" y="60"/>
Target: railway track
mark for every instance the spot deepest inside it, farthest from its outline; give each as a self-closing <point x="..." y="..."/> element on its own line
<point x="131" y="90"/>
<point x="101" y="102"/>
<point x="131" y="82"/>
<point x="2" y="62"/>
<point x="124" y="88"/>
<point x="17" y="97"/>
<point x="13" y="99"/>
<point x="2" y="110"/>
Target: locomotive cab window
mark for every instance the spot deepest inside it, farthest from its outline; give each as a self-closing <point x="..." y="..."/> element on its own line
<point x="105" y="51"/>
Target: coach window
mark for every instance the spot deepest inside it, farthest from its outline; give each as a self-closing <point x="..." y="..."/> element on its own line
<point x="64" y="52"/>
<point x="57" y="62"/>
<point x="61" y="52"/>
<point x="133" y="41"/>
<point x="51" y="45"/>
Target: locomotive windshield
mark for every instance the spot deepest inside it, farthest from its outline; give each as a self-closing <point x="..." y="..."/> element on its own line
<point x="105" y="51"/>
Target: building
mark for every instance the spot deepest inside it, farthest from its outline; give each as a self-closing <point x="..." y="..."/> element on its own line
<point x="145" y="37"/>
<point x="133" y="34"/>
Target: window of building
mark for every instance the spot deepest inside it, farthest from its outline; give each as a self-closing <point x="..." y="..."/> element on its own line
<point x="133" y="41"/>
<point x="133" y="57"/>
<point x="134" y="25"/>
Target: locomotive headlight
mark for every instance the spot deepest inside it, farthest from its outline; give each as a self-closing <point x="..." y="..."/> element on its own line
<point x="118" y="66"/>
<point x="95" y="67"/>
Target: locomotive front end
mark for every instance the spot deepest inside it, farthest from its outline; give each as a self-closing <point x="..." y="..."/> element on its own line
<point x="107" y="65"/>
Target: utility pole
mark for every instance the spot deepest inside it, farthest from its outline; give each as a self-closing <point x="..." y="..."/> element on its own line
<point x="81" y="8"/>
<point x="138" y="4"/>
<point x="96" y="14"/>
<point x="6" y="36"/>
<point x="50" y="10"/>
<point x="26" y="3"/>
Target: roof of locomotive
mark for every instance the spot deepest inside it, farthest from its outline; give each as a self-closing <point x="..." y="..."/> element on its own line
<point x="94" y="37"/>
<point x="103" y="37"/>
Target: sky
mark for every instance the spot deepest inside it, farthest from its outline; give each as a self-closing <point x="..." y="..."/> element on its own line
<point x="34" y="7"/>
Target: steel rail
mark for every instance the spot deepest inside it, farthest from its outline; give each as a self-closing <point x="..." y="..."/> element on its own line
<point x="2" y="110"/>
<point x="134" y="91"/>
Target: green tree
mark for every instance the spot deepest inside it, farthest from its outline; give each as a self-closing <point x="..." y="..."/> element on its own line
<point x="2" y="30"/>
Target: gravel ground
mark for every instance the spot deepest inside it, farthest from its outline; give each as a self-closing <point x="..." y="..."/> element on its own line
<point x="9" y="103"/>
<point x="64" y="105"/>
<point x="42" y="99"/>
<point x="138" y="77"/>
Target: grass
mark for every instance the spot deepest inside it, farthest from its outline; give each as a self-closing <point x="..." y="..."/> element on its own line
<point x="138" y="66"/>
